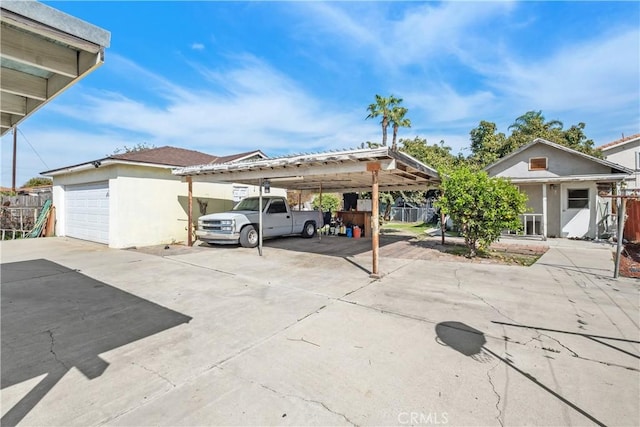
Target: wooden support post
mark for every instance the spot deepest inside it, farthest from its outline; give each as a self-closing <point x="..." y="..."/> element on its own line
<point x="375" y="218"/>
<point x="190" y="212"/>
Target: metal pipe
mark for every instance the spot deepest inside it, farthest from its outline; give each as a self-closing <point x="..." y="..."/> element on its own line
<point x="622" y="206"/>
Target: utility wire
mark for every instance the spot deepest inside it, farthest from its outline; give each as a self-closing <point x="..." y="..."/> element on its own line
<point x="34" y="150"/>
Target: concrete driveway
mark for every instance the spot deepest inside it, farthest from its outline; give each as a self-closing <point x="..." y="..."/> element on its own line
<point x="220" y="336"/>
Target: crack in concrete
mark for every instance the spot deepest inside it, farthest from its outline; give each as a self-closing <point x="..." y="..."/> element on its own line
<point x="576" y="355"/>
<point x="493" y="307"/>
<point x="53" y="343"/>
<point x="220" y="363"/>
<point x="317" y="402"/>
<point x="493" y="387"/>
<point x="155" y="372"/>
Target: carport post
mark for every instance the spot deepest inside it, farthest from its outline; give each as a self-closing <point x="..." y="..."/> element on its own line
<point x="189" y="212"/>
<point x="620" y="235"/>
<point x="260" y="221"/>
<point x="374" y="167"/>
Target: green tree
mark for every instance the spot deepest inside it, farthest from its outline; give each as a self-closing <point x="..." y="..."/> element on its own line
<point x="533" y="124"/>
<point x="38" y="181"/>
<point x="382" y="108"/>
<point x="330" y="202"/>
<point x="487" y="145"/>
<point x="397" y="119"/>
<point x="437" y="156"/>
<point x="481" y="206"/>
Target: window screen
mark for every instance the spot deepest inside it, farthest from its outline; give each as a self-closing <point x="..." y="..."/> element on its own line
<point x="538" y="164"/>
<point x="578" y="198"/>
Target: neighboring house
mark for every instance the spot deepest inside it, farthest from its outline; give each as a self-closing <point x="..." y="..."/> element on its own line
<point x="625" y="152"/>
<point x="133" y="199"/>
<point x="564" y="187"/>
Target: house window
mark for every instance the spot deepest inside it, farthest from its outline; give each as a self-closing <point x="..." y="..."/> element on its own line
<point x="538" y="164"/>
<point x="578" y="198"/>
<point x="638" y="160"/>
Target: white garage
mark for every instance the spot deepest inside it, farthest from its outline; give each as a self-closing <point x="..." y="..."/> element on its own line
<point x="133" y="199"/>
<point x="87" y="210"/>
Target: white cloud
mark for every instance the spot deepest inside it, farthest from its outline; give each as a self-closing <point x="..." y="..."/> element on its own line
<point x="599" y="74"/>
<point x="251" y="106"/>
<point x="197" y="46"/>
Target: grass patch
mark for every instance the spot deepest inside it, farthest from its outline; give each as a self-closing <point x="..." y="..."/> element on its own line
<point x="413" y="227"/>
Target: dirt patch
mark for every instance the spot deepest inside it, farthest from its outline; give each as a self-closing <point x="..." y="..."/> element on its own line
<point x="630" y="261"/>
<point x="431" y="247"/>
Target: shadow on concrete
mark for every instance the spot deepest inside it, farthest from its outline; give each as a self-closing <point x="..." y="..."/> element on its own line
<point x="471" y="342"/>
<point x="55" y="318"/>
<point x="592" y="337"/>
<point x="338" y="246"/>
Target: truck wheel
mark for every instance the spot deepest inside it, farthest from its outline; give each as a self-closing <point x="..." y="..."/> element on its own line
<point x="249" y="237"/>
<point x="309" y="230"/>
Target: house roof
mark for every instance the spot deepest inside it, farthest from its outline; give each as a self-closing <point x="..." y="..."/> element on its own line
<point x="43" y="52"/>
<point x="607" y="163"/>
<point x="344" y="171"/>
<point x="620" y="142"/>
<point x="170" y="156"/>
<point x="240" y="156"/>
<point x="166" y="157"/>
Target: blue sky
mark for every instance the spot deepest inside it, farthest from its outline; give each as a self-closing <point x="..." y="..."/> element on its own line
<point x="291" y="77"/>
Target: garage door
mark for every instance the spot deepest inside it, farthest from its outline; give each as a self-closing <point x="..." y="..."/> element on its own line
<point x="87" y="211"/>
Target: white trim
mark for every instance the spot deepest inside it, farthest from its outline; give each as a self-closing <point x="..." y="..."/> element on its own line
<point x="102" y="163"/>
<point x="546" y="163"/>
<point x="571" y="178"/>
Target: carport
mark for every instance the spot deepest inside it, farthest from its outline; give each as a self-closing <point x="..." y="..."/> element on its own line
<point x="360" y="170"/>
<point x="43" y="52"/>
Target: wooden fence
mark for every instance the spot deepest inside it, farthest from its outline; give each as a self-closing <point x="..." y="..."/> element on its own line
<point x="18" y="214"/>
<point x="632" y="223"/>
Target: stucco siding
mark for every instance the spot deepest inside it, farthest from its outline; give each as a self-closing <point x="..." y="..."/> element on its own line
<point x="534" y="197"/>
<point x="559" y="163"/>
<point x="626" y="155"/>
<point x="148" y="205"/>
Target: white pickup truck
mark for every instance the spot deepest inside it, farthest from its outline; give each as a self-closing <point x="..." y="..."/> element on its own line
<point x="241" y="224"/>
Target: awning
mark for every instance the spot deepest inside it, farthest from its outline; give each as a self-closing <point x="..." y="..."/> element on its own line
<point x="374" y="170"/>
<point x="339" y="171"/>
<point x="42" y="52"/>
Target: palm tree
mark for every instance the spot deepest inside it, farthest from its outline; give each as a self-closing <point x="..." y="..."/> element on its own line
<point x="397" y="119"/>
<point x="382" y="107"/>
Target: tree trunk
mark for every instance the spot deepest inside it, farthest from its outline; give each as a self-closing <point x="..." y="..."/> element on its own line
<point x="385" y="124"/>
<point x="395" y="134"/>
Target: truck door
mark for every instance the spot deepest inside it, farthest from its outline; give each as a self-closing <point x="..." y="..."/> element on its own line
<point x="277" y="219"/>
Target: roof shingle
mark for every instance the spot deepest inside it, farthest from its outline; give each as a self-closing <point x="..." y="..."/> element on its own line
<point x="619" y="141"/>
<point x="171" y="156"/>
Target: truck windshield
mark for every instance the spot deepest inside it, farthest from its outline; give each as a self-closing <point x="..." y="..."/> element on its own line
<point x="250" y="204"/>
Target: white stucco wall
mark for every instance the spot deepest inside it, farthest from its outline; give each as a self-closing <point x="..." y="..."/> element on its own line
<point x="147" y="205"/>
<point x="626" y="155"/>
